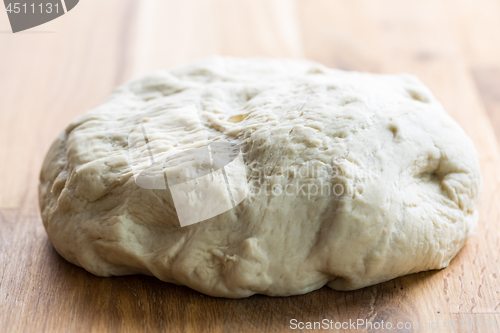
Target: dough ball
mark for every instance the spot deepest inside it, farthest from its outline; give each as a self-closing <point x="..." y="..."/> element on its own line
<point x="344" y="179"/>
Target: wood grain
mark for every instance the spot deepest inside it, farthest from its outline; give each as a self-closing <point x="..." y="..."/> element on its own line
<point x="53" y="73"/>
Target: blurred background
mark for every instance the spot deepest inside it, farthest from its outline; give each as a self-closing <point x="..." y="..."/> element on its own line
<point x="54" y="72"/>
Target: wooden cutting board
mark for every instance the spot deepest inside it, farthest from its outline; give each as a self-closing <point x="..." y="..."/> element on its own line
<point x="52" y="73"/>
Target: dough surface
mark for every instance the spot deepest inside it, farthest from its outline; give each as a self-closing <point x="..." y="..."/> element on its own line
<point x="403" y="180"/>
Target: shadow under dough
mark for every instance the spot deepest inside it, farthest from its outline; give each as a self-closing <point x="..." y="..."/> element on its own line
<point x="143" y="302"/>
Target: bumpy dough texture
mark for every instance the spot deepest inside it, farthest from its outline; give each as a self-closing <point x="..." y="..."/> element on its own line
<point x="409" y="174"/>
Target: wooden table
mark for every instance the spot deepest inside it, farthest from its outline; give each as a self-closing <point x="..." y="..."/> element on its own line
<point x="54" y="72"/>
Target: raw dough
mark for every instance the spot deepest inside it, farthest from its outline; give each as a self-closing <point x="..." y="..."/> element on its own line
<point x="406" y="179"/>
